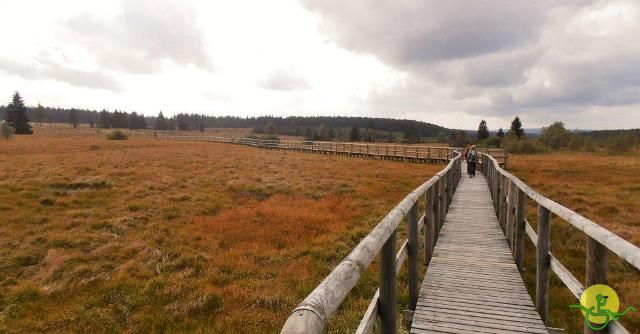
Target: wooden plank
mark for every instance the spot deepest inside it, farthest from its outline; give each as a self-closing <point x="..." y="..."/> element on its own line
<point x="472" y="283"/>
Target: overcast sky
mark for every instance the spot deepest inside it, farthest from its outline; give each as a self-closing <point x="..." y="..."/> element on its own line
<point x="447" y="62"/>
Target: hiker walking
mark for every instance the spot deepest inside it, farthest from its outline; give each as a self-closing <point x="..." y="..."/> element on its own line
<point x="472" y="159"/>
<point x="464" y="154"/>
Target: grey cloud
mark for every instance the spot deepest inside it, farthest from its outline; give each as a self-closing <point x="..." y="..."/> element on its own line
<point x="285" y="79"/>
<point x="146" y="33"/>
<point x="423" y="31"/>
<point x="491" y="57"/>
<point x="52" y="71"/>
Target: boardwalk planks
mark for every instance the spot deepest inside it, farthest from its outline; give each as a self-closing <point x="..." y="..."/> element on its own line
<point x="472" y="284"/>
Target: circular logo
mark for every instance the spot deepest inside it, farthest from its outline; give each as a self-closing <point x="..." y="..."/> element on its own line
<point x="599" y="298"/>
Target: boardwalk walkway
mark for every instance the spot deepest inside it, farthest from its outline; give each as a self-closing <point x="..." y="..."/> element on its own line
<point x="472" y="284"/>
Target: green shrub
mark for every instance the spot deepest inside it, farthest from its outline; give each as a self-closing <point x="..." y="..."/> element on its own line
<point x="6" y="131"/>
<point x="490" y="142"/>
<point x="523" y="146"/>
<point x="117" y="135"/>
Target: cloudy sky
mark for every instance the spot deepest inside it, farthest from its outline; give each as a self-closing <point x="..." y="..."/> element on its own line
<point x="446" y="62"/>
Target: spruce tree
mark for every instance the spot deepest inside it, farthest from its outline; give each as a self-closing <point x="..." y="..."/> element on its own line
<point x="16" y="116"/>
<point x="6" y="131"/>
<point x="355" y="134"/>
<point x="483" y="131"/>
<point x="161" y="122"/>
<point x="73" y="117"/>
<point x="516" y="127"/>
<point x="40" y="114"/>
<point x="500" y="133"/>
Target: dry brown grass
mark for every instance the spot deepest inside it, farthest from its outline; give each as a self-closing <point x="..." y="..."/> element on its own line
<point x="148" y="235"/>
<point x="603" y="188"/>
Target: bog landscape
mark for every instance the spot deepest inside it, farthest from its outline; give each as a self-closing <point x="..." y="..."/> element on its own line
<point x="306" y="166"/>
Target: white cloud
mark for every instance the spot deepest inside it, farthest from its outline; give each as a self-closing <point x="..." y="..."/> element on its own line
<point x="450" y="63"/>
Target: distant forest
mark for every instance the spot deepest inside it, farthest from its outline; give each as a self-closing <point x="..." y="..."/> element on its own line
<point x="338" y="128"/>
<point x="317" y="128"/>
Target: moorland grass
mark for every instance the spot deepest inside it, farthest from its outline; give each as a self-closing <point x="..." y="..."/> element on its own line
<point x="603" y="188"/>
<point x="149" y="235"/>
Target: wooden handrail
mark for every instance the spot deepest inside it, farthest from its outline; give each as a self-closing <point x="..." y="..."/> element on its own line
<point x="614" y="243"/>
<point x="394" y="151"/>
<point x="313" y="313"/>
<point x="599" y="242"/>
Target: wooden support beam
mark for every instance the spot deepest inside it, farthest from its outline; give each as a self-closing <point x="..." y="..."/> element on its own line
<point x="412" y="248"/>
<point x="387" y="308"/>
<point x="596" y="272"/>
<point x="520" y="228"/>
<point x="543" y="263"/>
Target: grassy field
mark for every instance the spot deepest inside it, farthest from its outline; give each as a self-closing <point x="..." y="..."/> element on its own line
<point x="147" y="235"/>
<point x="603" y="188"/>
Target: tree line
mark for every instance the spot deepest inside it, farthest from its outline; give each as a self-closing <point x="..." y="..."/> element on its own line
<point x="17" y="118"/>
<point x="317" y="128"/>
<point x="556" y="137"/>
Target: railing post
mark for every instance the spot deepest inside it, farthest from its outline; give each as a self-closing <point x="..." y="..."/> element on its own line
<point x="542" y="271"/>
<point x="502" y="209"/>
<point x="498" y="191"/>
<point x="429" y="226"/>
<point x="511" y="205"/>
<point x="436" y="208"/>
<point x="412" y="253"/>
<point x="387" y="307"/>
<point x="449" y="193"/>
<point x="596" y="273"/>
<point x="520" y="228"/>
<point x="443" y="202"/>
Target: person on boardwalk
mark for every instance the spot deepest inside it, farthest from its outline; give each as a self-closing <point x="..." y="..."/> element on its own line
<point x="464" y="155"/>
<point x="472" y="159"/>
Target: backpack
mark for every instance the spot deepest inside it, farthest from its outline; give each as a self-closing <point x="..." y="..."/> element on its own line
<point x="473" y="155"/>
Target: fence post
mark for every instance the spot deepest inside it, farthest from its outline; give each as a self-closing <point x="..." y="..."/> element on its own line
<point x="520" y="228"/>
<point x="596" y="273"/>
<point x="412" y="253"/>
<point x="429" y="226"/>
<point x="502" y="209"/>
<point x="443" y="202"/>
<point x="496" y="198"/>
<point x="542" y="271"/>
<point x="436" y="208"/>
<point x="511" y="210"/>
<point x="387" y="307"/>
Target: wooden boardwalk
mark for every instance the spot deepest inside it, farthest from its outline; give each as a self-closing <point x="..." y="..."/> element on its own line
<point x="472" y="284"/>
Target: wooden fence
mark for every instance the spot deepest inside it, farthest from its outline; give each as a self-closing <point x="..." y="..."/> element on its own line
<point x="412" y="153"/>
<point x="510" y="197"/>
<point x="312" y="314"/>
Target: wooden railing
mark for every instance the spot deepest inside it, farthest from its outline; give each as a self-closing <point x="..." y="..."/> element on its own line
<point x="399" y="151"/>
<point x="510" y="197"/>
<point x="312" y="314"/>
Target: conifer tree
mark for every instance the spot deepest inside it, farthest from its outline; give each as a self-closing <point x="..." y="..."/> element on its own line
<point x="500" y="133"/>
<point x="73" y="117"/>
<point x="6" y="131"/>
<point x="161" y="122"/>
<point x="40" y="114"/>
<point x="355" y="134"/>
<point x="516" y="127"/>
<point x="483" y="131"/>
<point x="16" y="116"/>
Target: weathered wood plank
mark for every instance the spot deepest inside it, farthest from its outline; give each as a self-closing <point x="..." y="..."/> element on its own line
<point x="472" y="283"/>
